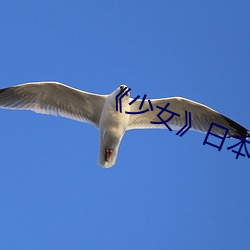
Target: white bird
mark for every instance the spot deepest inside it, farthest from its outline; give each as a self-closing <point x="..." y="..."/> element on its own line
<point x="100" y="110"/>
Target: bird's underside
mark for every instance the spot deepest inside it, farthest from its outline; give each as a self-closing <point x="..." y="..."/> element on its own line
<point x="59" y="99"/>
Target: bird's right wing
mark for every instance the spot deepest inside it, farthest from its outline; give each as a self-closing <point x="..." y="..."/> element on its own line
<point x="201" y="117"/>
<point x="54" y="98"/>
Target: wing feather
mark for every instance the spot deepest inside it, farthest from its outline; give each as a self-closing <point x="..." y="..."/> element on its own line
<point x="54" y="98"/>
<point x="201" y="117"/>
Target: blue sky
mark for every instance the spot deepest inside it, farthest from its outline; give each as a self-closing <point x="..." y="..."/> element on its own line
<point x="166" y="191"/>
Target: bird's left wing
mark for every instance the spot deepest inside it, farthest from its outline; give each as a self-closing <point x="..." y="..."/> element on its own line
<point x="201" y="116"/>
<point x="54" y="98"/>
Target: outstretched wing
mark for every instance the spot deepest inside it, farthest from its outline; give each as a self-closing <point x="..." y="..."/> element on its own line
<point x="201" y="117"/>
<point x="55" y="99"/>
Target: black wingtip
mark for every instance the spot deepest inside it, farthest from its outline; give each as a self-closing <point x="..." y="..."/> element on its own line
<point x="236" y="129"/>
<point x="3" y="90"/>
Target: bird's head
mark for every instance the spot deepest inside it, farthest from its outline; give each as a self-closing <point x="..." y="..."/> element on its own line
<point x="123" y="88"/>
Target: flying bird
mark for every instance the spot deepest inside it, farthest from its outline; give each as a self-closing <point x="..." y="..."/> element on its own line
<point x="55" y="98"/>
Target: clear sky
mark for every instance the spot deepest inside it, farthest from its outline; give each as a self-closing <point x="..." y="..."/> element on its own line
<point x="166" y="191"/>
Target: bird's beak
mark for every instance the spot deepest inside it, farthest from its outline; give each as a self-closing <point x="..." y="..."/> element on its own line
<point x="123" y="87"/>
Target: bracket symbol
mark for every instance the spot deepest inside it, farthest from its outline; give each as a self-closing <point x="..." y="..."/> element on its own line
<point x="120" y="98"/>
<point x="186" y="123"/>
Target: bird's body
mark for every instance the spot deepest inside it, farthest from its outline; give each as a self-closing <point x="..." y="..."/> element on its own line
<point x="100" y="110"/>
<point x="113" y="126"/>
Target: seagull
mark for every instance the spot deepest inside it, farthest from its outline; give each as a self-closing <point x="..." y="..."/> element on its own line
<point x="55" y="98"/>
